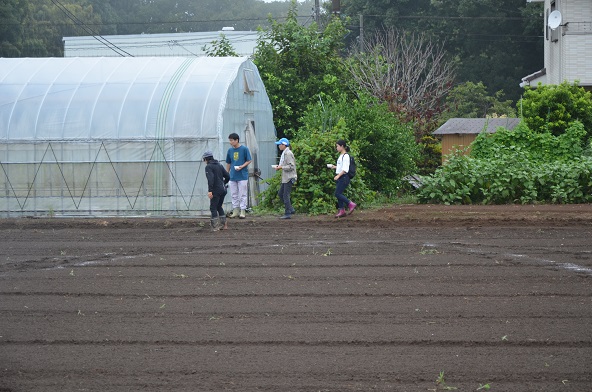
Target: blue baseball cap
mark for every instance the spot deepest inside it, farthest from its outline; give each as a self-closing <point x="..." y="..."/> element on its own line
<point x="283" y="141"/>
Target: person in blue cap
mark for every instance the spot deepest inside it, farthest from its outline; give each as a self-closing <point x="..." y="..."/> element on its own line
<point x="288" y="167"/>
<point x="217" y="177"/>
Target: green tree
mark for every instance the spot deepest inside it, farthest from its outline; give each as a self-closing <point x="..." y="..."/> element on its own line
<point x="553" y="108"/>
<point x="49" y="22"/>
<point x="410" y="72"/>
<point x="220" y="48"/>
<point x="471" y="100"/>
<point x="378" y="14"/>
<point x="494" y="41"/>
<point x="297" y="64"/>
<point x="110" y="18"/>
<point x="12" y="13"/>
<point x="35" y="28"/>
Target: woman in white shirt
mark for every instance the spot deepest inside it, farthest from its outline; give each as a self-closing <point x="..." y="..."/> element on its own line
<point x="342" y="179"/>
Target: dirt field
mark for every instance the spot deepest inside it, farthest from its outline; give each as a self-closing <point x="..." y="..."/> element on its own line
<point x="383" y="300"/>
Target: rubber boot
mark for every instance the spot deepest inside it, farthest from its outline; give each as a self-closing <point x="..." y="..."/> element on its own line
<point x="214" y="224"/>
<point x="223" y="223"/>
<point x="243" y="214"/>
<point x="341" y="213"/>
<point x="351" y="207"/>
<point x="234" y="214"/>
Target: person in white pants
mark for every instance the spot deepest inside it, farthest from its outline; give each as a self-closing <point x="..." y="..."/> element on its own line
<point x="238" y="158"/>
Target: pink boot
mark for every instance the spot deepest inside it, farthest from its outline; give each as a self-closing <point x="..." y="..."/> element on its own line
<point x="351" y="207"/>
<point x="340" y="213"/>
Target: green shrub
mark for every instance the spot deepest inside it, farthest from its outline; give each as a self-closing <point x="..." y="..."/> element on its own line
<point x="553" y="108"/>
<point x="385" y="147"/>
<point x="511" y="178"/>
<point x="518" y="166"/>
<point x="539" y="147"/>
<point x="313" y="192"/>
<point x="430" y="155"/>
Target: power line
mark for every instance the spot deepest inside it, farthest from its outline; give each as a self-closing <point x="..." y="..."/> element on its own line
<point x="96" y="36"/>
<point x="451" y="17"/>
<point x="157" y="22"/>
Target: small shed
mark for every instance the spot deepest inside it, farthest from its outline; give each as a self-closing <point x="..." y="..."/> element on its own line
<point x="458" y="133"/>
<point x="124" y="136"/>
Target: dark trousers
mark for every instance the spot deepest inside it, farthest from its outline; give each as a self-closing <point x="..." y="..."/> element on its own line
<point x="216" y="205"/>
<point x="340" y="186"/>
<point x="284" y="195"/>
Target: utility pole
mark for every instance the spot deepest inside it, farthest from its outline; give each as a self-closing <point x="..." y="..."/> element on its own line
<point x="361" y="33"/>
<point x="317" y="13"/>
<point x="336" y="7"/>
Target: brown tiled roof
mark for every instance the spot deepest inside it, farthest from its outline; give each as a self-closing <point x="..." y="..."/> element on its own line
<point x="475" y="125"/>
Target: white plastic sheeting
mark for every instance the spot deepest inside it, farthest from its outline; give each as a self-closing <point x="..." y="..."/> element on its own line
<point x="124" y="136"/>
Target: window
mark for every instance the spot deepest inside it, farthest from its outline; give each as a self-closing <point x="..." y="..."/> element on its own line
<point x="250" y="81"/>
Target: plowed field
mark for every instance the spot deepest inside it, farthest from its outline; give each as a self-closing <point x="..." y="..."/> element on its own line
<point x="383" y="300"/>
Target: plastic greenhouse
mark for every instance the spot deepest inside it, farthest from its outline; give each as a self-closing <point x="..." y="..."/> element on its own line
<point x="124" y="136"/>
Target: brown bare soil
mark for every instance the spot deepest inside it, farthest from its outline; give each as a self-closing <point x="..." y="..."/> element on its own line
<point x="383" y="300"/>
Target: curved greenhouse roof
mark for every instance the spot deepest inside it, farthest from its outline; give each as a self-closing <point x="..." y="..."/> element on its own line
<point x="114" y="98"/>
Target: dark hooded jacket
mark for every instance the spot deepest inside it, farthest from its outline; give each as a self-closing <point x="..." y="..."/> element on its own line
<point x="217" y="177"/>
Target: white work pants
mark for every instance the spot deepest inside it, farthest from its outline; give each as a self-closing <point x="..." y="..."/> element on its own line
<point x="238" y="190"/>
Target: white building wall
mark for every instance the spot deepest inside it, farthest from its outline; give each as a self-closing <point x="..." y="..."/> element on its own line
<point x="579" y="67"/>
<point x="570" y="57"/>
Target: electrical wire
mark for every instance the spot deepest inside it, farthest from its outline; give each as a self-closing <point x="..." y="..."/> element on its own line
<point x="168" y="22"/>
<point x="96" y="36"/>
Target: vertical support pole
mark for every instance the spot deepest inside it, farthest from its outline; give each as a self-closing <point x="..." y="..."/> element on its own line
<point x="336" y="7"/>
<point x="317" y="12"/>
<point x="361" y="33"/>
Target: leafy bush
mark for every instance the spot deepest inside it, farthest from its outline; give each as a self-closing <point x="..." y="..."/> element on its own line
<point x="220" y="48"/>
<point x="313" y="192"/>
<point x="517" y="166"/>
<point x="539" y="147"/>
<point x="387" y="148"/>
<point x="430" y="155"/>
<point x="296" y="64"/>
<point x="471" y="100"/>
<point x="513" y="178"/>
<point x="553" y="108"/>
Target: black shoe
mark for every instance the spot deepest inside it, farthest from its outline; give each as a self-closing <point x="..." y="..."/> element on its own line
<point x="287" y="216"/>
<point x="292" y="212"/>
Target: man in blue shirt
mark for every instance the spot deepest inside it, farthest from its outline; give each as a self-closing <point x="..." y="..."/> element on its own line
<point x="237" y="160"/>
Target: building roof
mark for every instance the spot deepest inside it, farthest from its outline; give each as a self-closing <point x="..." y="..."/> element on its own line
<point x="165" y="44"/>
<point x="475" y="125"/>
<point x="534" y="78"/>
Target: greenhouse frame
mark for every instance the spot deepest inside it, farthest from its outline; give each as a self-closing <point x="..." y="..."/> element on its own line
<point x="124" y="136"/>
